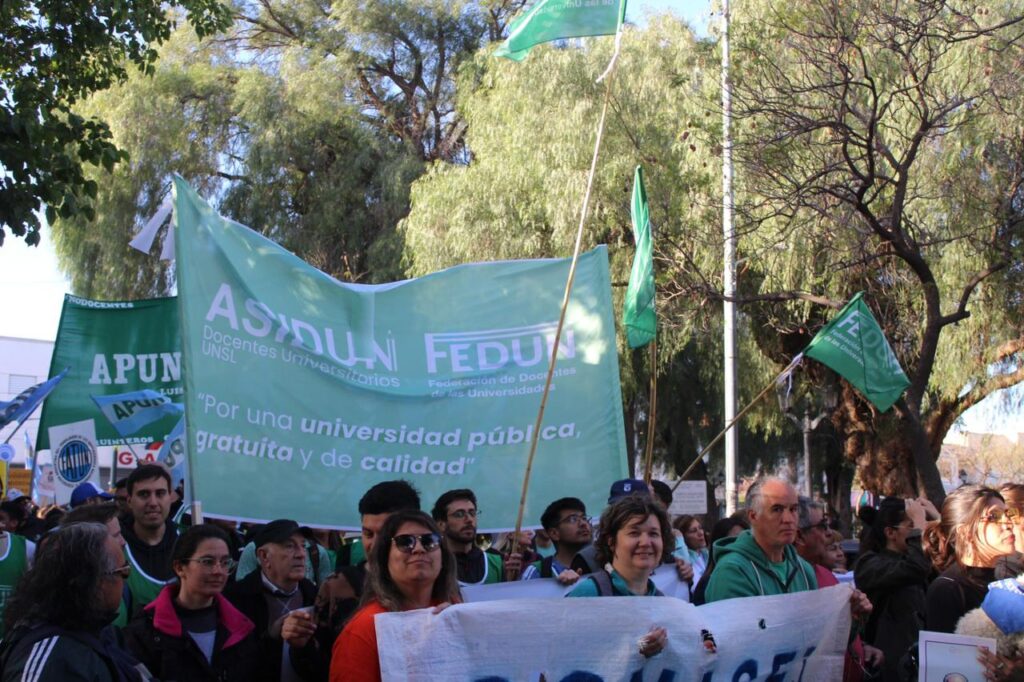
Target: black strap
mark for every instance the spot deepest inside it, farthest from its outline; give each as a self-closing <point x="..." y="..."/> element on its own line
<point x="546" y="571"/>
<point x="604" y="583"/>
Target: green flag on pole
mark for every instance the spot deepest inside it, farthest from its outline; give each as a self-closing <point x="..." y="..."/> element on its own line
<point x="556" y="19"/>
<point x="638" y="314"/>
<point x="853" y="345"/>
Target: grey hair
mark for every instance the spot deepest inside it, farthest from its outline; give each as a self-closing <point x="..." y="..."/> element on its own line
<point x="806" y="505"/>
<point x="63" y="586"/>
<point x="755" y="494"/>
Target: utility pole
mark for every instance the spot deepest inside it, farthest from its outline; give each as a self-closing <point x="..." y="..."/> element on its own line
<point x="728" y="277"/>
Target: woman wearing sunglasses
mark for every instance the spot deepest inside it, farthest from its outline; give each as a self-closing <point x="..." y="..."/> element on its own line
<point x="972" y="534"/>
<point x="409" y="568"/>
<point x="191" y="632"/>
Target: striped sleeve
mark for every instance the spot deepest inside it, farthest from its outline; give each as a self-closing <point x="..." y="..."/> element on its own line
<point x="37" y="659"/>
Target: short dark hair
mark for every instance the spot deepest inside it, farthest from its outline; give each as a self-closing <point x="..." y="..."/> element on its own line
<point x="389" y="497"/>
<point x="663" y="491"/>
<point x="14" y="510"/>
<point x="187" y="543"/>
<point x="121" y="483"/>
<point x="147" y="472"/>
<point x="617" y="515"/>
<point x="380" y="585"/>
<point x="91" y="513"/>
<point x="553" y="514"/>
<point x="63" y="586"/>
<point x="440" y="512"/>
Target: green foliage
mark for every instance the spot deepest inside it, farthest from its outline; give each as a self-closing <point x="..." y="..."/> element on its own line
<point x="54" y="54"/>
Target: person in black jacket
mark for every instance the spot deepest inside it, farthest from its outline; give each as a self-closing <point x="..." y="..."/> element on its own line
<point x="58" y="617"/>
<point x="190" y="633"/>
<point x="973" y="533"/>
<point x="894" y="572"/>
<point x="278" y="599"/>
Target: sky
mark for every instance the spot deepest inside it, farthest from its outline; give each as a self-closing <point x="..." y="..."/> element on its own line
<point x="32" y="288"/>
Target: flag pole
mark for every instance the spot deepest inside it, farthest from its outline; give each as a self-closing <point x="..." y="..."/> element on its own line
<point x="607" y="78"/>
<point x="707" y="448"/>
<point x="648" y="460"/>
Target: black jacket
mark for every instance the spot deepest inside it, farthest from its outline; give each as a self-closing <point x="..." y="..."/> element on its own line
<point x="247" y="596"/>
<point x="157" y="639"/>
<point x="59" y="655"/>
<point x="155" y="560"/>
<point x="895" y="583"/>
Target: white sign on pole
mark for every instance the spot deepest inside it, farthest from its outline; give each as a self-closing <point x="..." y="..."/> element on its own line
<point x="75" y="457"/>
<point x="691" y="497"/>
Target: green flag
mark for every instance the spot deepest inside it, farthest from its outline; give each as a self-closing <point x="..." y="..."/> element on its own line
<point x="638" y="314"/>
<point x="853" y="345"/>
<point x="556" y="19"/>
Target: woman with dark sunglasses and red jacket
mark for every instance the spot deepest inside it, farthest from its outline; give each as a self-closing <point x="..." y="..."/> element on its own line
<point x="409" y="568"/>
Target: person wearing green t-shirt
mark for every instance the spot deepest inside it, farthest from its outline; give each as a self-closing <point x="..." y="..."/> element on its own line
<point x="149" y="534"/>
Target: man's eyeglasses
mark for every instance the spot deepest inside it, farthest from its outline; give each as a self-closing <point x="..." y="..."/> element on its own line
<point x="407" y="543"/>
<point x="463" y="513"/>
<point x="121" y="571"/>
<point x="208" y="562"/>
<point x="574" y="519"/>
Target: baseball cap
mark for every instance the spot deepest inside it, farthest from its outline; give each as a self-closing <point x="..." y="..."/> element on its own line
<point x="85" y="492"/>
<point x="625" y="487"/>
<point x="279" y="532"/>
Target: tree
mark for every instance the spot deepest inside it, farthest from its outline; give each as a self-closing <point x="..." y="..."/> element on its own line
<point x="54" y="54"/>
<point x="280" y="151"/>
<point x="530" y="130"/>
<point x="306" y="120"/>
<point x="880" y="150"/>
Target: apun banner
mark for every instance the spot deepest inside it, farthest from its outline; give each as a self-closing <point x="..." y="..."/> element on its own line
<point x="303" y="391"/>
<point x="113" y="347"/>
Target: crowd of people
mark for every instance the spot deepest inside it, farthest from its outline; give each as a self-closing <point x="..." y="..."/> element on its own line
<point x="116" y="590"/>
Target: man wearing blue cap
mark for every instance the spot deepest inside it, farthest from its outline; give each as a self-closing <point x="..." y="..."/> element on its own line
<point x="88" y="493"/>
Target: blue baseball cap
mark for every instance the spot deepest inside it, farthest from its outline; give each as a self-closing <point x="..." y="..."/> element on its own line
<point x="85" y="492"/>
<point x="626" y="487"/>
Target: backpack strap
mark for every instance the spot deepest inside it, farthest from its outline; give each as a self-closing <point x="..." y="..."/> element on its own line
<point x="604" y="583"/>
<point x="545" y="567"/>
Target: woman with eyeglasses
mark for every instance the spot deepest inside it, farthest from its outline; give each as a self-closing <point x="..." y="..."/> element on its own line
<point x="894" y="573"/>
<point x="191" y="632"/>
<point x="971" y="535"/>
<point x="408" y="568"/>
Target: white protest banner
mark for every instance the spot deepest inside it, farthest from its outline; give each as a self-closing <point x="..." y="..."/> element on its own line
<point x="797" y="637"/>
<point x="75" y="459"/>
<point x="665" y="578"/>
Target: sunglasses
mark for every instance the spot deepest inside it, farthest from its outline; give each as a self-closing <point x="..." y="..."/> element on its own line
<point x="407" y="543"/>
<point x="999" y="516"/>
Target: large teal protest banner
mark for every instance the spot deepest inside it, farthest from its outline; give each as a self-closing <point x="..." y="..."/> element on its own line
<point x="301" y="391"/>
<point x="113" y="347"/>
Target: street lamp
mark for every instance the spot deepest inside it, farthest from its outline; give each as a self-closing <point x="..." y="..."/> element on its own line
<point x="805" y="422"/>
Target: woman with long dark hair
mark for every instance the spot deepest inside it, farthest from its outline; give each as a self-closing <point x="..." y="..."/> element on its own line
<point x="971" y="535"/>
<point x="728" y="527"/>
<point x="409" y="568"/>
<point x="893" y="571"/>
<point x="190" y="631"/>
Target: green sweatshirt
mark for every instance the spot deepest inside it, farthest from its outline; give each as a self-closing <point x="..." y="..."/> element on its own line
<point x="742" y="570"/>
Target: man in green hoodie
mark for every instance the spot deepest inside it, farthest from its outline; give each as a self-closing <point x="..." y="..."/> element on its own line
<point x="762" y="560"/>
